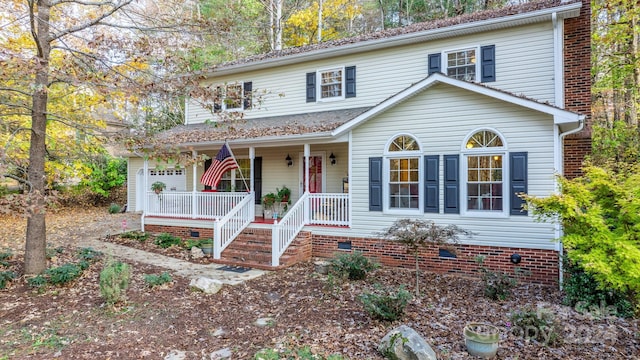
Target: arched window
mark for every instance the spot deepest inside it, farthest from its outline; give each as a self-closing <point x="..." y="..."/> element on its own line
<point x="403" y="156"/>
<point x="484" y="153"/>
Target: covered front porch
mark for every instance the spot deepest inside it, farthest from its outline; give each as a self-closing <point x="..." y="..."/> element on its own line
<point x="237" y="202"/>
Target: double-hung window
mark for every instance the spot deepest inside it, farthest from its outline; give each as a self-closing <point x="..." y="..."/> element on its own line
<point x="336" y="83"/>
<point x="233" y="97"/>
<point x="403" y="154"/>
<point x="484" y="169"/>
<point x="462" y="64"/>
<point x="232" y="180"/>
<point x="331" y="84"/>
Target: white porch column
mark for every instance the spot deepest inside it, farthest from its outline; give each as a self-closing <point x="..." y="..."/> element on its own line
<point x="307" y="153"/>
<point x="145" y="187"/>
<point x="252" y="156"/>
<point x="194" y="200"/>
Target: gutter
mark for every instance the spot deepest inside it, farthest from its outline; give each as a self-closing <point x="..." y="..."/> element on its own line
<point x="565" y="11"/>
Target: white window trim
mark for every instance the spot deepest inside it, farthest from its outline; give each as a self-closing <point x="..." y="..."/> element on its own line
<point x="445" y="62"/>
<point x="319" y="72"/>
<point x="235" y="173"/>
<point x="501" y="150"/>
<point x="224" y="103"/>
<point x="387" y="156"/>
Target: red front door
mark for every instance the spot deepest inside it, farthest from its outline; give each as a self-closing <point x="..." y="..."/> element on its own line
<point x="315" y="174"/>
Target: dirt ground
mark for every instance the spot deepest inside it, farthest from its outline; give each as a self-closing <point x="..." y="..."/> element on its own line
<point x="302" y="308"/>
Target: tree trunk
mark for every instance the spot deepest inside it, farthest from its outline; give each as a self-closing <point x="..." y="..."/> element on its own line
<point x="35" y="261"/>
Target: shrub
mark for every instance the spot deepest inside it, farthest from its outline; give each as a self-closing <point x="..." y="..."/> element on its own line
<point x="114" y="208"/>
<point x="5" y="277"/>
<point x="37" y="281"/>
<point x="155" y="280"/>
<point x="114" y="281"/>
<point x="497" y="285"/>
<point x="197" y="243"/>
<point x="88" y="254"/>
<point x="539" y="325"/>
<point x="50" y="253"/>
<point x="353" y="266"/>
<point x="386" y="303"/>
<point x="582" y="291"/>
<point x="165" y="240"/>
<point x="4" y="257"/>
<point x="599" y="213"/>
<point x="135" y="235"/>
<point x="63" y="274"/>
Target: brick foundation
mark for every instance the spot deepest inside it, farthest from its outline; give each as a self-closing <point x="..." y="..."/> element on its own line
<point x="539" y="266"/>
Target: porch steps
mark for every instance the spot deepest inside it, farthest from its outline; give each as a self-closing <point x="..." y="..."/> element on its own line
<point x="252" y="248"/>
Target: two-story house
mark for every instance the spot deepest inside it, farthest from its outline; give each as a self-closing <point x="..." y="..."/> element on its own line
<point x="447" y="120"/>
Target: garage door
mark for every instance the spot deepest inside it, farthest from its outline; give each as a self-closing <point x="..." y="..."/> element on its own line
<point x="176" y="179"/>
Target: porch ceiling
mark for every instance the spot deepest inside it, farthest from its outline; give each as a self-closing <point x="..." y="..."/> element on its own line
<point x="261" y="129"/>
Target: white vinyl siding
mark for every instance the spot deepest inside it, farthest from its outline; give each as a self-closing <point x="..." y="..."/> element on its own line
<point x="522" y="67"/>
<point x="446" y="116"/>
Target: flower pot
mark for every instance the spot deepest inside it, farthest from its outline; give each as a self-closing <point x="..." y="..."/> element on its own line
<point x="207" y="249"/>
<point x="481" y="339"/>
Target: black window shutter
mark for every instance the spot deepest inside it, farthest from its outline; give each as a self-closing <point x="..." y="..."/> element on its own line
<point x="431" y="186"/>
<point x="518" y="181"/>
<point x="434" y="63"/>
<point x="488" y="63"/>
<point x="311" y="87"/>
<point x="257" y="179"/>
<point x="350" y="83"/>
<point x="247" y="102"/>
<point x="375" y="184"/>
<point x="451" y="184"/>
<point x="217" y="100"/>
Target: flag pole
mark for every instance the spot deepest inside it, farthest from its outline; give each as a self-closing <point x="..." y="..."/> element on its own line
<point x="234" y="159"/>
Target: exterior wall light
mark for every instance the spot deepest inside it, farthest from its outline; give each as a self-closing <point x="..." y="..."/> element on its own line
<point x="332" y="159"/>
<point x="289" y="161"/>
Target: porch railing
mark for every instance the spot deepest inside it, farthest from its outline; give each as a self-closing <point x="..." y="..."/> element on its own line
<point x="187" y="204"/>
<point x="329" y="209"/>
<point x="283" y="233"/>
<point x="226" y="229"/>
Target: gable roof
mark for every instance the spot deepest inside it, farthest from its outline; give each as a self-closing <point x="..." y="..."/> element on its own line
<point x="567" y="120"/>
<point x="527" y="13"/>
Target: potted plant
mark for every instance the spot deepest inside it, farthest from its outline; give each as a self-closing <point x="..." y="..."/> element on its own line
<point x="481" y="339"/>
<point x="268" y="200"/>
<point x="284" y="197"/>
<point x="158" y="186"/>
<point x="207" y="246"/>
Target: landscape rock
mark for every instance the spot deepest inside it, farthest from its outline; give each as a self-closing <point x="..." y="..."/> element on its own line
<point x="196" y="253"/>
<point x="262" y="322"/>
<point x="221" y="354"/>
<point x="176" y="355"/>
<point x="322" y="267"/>
<point x="406" y="344"/>
<point x="206" y="285"/>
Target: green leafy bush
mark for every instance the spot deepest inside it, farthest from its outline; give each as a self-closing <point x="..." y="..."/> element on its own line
<point x="114" y="208"/>
<point x="156" y="280"/>
<point x="303" y="353"/>
<point x="386" y="304"/>
<point x="89" y="254"/>
<point x="165" y="240"/>
<point x="106" y="173"/>
<point x="4" y="257"/>
<point x="114" y="281"/>
<point x="353" y="266"/>
<point x="600" y="213"/>
<point x="37" y="281"/>
<point x="5" y="277"/>
<point x="63" y="274"/>
<point x="135" y="235"/>
<point x="536" y="324"/>
<point x="188" y="244"/>
<point x="581" y="291"/>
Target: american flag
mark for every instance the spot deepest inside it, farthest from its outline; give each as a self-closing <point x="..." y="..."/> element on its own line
<point x="223" y="162"/>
